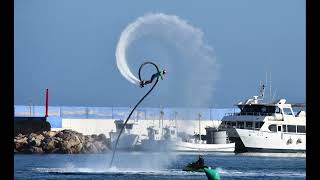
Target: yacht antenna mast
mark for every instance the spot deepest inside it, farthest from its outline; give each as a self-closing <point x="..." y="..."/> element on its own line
<point x="266" y="80"/>
<point x="270" y="88"/>
<point x="262" y="86"/>
<point x="274" y="94"/>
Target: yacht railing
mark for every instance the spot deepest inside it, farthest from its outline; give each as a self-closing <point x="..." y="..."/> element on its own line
<point x="225" y="126"/>
<point x="249" y="114"/>
<point x="274" y="118"/>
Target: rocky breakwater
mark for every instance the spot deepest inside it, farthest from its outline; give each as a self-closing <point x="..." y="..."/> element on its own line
<point x="65" y="141"/>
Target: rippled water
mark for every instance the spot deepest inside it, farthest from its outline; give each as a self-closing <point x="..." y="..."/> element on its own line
<point x="158" y="166"/>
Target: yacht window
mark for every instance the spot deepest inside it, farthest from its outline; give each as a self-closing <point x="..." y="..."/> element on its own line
<point x="258" y="125"/>
<point x="278" y="110"/>
<point x="256" y="109"/>
<point x="172" y="132"/>
<point x="233" y="124"/>
<point x="301" y="129"/>
<point x="291" y="128"/>
<point x="241" y="125"/>
<point x="284" y="127"/>
<point x="156" y="132"/>
<point x="273" y="128"/>
<point x="287" y="111"/>
<point x="249" y="125"/>
<point x="279" y="128"/>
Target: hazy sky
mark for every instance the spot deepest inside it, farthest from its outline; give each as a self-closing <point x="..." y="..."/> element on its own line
<point x="69" y="47"/>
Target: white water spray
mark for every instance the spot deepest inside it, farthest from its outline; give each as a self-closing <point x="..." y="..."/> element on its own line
<point x="197" y="65"/>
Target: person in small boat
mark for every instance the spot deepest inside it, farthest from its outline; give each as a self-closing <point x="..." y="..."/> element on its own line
<point x="154" y="76"/>
<point x="200" y="161"/>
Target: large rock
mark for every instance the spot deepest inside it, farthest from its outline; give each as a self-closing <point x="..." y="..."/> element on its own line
<point x="51" y="133"/>
<point x="31" y="137"/>
<point x="71" y="143"/>
<point x="99" y="145"/>
<point x="37" y="149"/>
<point x="49" y="144"/>
<point x="21" y="143"/>
<point x="58" y="138"/>
<point x="57" y="150"/>
<point x="20" y="136"/>
<point x="35" y="142"/>
<point x="33" y="149"/>
<point x="40" y="137"/>
<point x="21" y="140"/>
<point x="89" y="147"/>
<point x="94" y="136"/>
<point x="65" y="141"/>
<point x="102" y="138"/>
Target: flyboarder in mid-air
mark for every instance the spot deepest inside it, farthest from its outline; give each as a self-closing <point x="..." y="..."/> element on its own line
<point x="154" y="76"/>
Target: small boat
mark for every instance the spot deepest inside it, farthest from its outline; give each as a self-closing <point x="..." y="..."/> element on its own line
<point x="129" y="137"/>
<point x="216" y="141"/>
<point x="194" y="167"/>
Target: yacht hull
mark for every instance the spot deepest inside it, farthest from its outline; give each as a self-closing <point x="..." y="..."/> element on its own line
<point x="234" y="137"/>
<point x="263" y="141"/>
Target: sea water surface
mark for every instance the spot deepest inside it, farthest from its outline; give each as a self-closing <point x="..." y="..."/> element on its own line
<point x="141" y="165"/>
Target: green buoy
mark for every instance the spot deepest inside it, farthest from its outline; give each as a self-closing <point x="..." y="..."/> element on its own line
<point x="212" y="174"/>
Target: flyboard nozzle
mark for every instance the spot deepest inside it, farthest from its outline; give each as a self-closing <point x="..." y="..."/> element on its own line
<point x="47" y="102"/>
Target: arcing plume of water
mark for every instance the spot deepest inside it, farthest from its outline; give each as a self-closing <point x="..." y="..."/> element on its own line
<point x="194" y="73"/>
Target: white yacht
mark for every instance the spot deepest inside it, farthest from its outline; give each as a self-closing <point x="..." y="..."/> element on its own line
<point x="267" y="127"/>
<point x="128" y="138"/>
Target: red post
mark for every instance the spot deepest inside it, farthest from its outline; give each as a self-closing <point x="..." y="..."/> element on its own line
<point x="47" y="102"/>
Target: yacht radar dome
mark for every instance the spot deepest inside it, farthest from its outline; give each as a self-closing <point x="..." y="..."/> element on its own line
<point x="282" y="101"/>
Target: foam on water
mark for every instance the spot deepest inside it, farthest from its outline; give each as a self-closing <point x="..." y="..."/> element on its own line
<point x="302" y="155"/>
<point x="267" y="173"/>
<point x="113" y="170"/>
<point x="171" y="172"/>
<point x="128" y="167"/>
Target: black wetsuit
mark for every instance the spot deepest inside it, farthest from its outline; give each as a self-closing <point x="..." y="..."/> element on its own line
<point x="201" y="161"/>
<point x="152" y="78"/>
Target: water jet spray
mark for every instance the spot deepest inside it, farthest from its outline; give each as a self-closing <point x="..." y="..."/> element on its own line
<point x="181" y="47"/>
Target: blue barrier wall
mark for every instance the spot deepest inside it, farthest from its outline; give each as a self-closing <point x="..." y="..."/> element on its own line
<point x="77" y="112"/>
<point x="55" y="122"/>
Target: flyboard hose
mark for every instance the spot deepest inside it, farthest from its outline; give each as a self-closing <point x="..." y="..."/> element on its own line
<point x="140" y="69"/>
